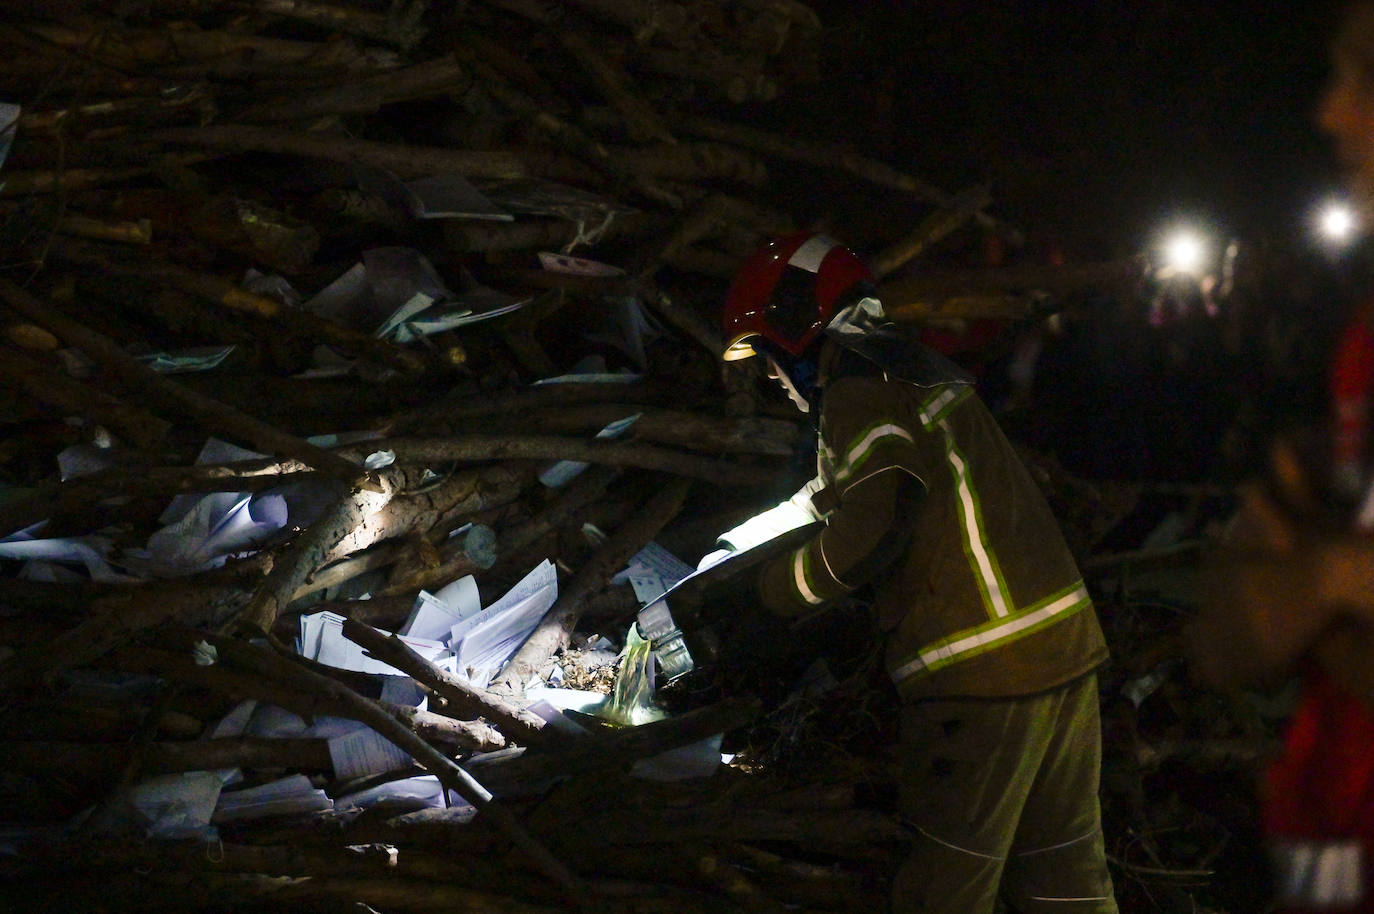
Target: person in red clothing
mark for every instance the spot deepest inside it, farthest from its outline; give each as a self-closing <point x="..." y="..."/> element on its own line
<point x="1292" y="591"/>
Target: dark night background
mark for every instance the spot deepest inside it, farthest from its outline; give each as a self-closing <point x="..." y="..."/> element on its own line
<point x="1094" y="121"/>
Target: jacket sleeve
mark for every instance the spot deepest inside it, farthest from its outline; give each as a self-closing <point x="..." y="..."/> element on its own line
<point x="874" y="474"/>
<point x="797" y="511"/>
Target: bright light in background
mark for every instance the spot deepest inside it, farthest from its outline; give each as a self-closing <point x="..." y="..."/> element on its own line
<point x="1184" y="251"/>
<point x="1337" y="223"/>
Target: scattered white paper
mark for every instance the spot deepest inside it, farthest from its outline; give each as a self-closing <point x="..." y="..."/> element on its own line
<point x="450" y="196"/>
<point x="365" y="752"/>
<point x="434" y="615"/>
<point x="195" y="358"/>
<point x="289" y="795"/>
<point x="322" y="639"/>
<point x="483" y="642"/>
<point x="590" y="378"/>
<point x="420" y="792"/>
<point x="217" y="526"/>
<point x="178" y="805"/>
<point x="651" y="571"/>
<point x="82" y="460"/>
<point x="576" y="266"/>
<point x="89" y="551"/>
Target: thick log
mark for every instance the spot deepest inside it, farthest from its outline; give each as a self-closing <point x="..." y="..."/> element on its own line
<point x="931" y="230"/>
<point x="705" y="219"/>
<point x="23" y="183"/>
<point x="553" y="631"/>
<point x="547" y="447"/>
<point x="460" y="699"/>
<point x="663" y="19"/>
<point x="405" y="160"/>
<point x="434" y="77"/>
<point x="116" y="619"/>
<point x="687" y="430"/>
<point x="458" y="408"/>
<point x="462" y="494"/>
<point x="198" y="407"/>
<point x="220" y="53"/>
<point x="139" y="427"/>
<point x="310" y="551"/>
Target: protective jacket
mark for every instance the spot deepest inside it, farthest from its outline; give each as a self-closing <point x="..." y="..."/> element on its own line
<point x="923" y="495"/>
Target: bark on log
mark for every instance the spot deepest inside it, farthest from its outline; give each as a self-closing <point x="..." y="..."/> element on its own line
<point x="200" y="408"/>
<point x="309" y="551"/>
<point x="405" y="160"/>
<point x="546" y="447"/>
<point x="140" y="428"/>
<point x="434" y="77"/>
<point x="551" y="635"/>
<point x="690" y="431"/>
<point x="25" y="182"/>
<point x="220" y="53"/>
<point x="461" y="495"/>
<point x="964" y="206"/>
<point x="539" y="397"/>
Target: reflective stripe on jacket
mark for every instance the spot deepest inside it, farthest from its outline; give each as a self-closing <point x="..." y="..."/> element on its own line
<point x="984" y="598"/>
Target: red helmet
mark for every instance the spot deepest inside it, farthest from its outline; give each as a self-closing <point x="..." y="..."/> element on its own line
<point x="787" y="292"/>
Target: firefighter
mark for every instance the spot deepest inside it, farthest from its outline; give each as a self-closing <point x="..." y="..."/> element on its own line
<point x="991" y="638"/>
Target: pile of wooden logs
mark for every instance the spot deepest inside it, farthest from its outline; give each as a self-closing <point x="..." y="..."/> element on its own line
<point x="558" y="181"/>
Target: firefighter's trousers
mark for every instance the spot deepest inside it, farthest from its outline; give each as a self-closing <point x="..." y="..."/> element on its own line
<point x="1003" y="797"/>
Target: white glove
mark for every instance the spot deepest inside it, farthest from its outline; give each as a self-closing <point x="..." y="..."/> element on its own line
<point x="714" y="558"/>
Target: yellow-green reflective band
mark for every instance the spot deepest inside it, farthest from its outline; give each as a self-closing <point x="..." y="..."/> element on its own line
<point x="865" y="444"/>
<point x="986" y="571"/>
<point x="975" y="641"/>
<point x="939" y="405"/>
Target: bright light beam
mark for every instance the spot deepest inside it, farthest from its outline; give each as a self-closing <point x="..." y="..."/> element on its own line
<point x="1337" y="223"/>
<point x="1183" y="252"/>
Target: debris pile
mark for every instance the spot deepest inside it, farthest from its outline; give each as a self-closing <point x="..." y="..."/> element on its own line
<point x="358" y="386"/>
